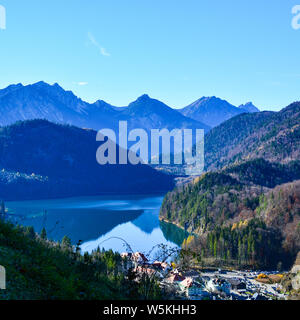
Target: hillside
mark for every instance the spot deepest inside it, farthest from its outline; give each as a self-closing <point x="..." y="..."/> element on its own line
<point x="39" y="159"/>
<point x="258" y="225"/>
<point x="39" y="269"/>
<point x="273" y="136"/>
<point x="264" y="173"/>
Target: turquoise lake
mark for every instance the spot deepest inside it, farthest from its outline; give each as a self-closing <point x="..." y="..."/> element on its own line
<point x="100" y="221"/>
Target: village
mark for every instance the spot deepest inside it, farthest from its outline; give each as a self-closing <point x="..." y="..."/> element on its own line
<point x="207" y="284"/>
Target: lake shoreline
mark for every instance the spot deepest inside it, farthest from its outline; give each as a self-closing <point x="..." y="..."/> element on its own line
<point x="92" y="219"/>
<point x="174" y="224"/>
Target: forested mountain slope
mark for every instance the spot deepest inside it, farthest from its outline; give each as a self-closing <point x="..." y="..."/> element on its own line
<point x="40" y="159"/>
<point x="274" y="136"/>
<point x="238" y="220"/>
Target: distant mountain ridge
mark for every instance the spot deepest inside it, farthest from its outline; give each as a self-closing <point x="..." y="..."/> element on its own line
<point x="50" y="102"/>
<point x="249" y="107"/>
<point x="213" y="111"/>
<point x="150" y="113"/>
<point x="53" y="103"/>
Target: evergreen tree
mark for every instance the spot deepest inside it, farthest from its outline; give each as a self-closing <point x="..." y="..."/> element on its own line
<point x="66" y="242"/>
<point x="43" y="234"/>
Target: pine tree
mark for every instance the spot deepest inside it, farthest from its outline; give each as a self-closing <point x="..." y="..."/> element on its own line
<point x="215" y="247"/>
<point x="43" y="234"/>
<point x="66" y="242"/>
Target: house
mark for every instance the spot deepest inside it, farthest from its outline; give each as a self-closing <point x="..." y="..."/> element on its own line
<point x="192" y="288"/>
<point x="136" y="258"/>
<point x="175" y="278"/>
<point x="218" y="286"/>
<point x="139" y="258"/>
<point x="127" y="255"/>
<point x="145" y="270"/>
<point x="163" y="266"/>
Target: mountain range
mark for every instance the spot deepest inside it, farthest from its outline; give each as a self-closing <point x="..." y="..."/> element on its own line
<point x="51" y="102"/>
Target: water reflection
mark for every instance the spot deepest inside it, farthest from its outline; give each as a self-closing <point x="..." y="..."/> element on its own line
<point x="173" y="233"/>
<point x="96" y="219"/>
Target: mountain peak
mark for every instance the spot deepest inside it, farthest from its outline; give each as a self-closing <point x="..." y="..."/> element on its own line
<point x="103" y="105"/>
<point x="101" y="102"/>
<point x="144" y="97"/>
<point x="18" y="85"/>
<point x="43" y="84"/>
<point x="212" y="98"/>
<point x="13" y="86"/>
<point x="10" y="88"/>
<point x="249" y="107"/>
<point x="150" y="113"/>
<point x="145" y="103"/>
<point x="56" y="85"/>
<point x="40" y="84"/>
<point x="204" y="100"/>
<point x="211" y="110"/>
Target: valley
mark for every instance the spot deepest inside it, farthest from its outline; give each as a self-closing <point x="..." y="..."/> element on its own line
<point x="242" y="213"/>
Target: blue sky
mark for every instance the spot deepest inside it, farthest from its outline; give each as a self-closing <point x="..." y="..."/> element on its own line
<point x="175" y="51"/>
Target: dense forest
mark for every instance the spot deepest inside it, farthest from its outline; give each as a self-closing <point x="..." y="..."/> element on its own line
<point x="245" y="210"/>
<point x="264" y="173"/>
<point x="237" y="218"/>
<point x="248" y="244"/>
<point x="274" y="136"/>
